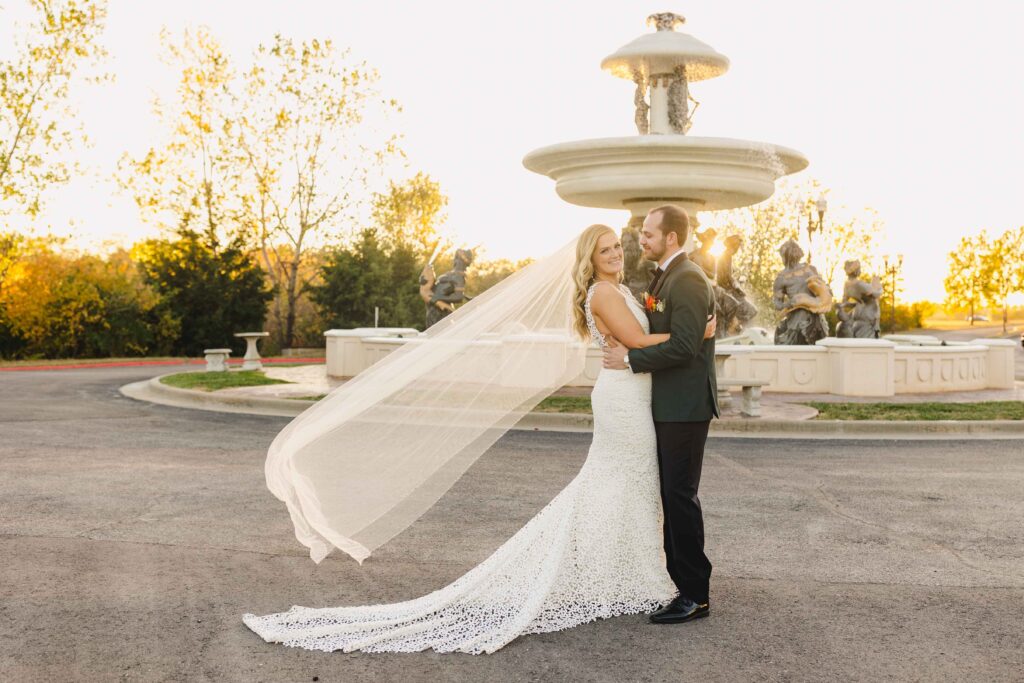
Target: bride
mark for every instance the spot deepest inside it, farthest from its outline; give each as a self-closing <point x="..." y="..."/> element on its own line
<point x="595" y="551"/>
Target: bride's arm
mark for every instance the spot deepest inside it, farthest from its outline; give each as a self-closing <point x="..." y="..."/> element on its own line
<point x="608" y="305"/>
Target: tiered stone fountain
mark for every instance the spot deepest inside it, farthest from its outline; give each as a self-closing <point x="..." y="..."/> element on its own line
<point x="662" y="164"/>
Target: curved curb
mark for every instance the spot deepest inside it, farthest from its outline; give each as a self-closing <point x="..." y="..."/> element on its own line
<point x="812" y="429"/>
<point x="155" y="391"/>
<point x="870" y="429"/>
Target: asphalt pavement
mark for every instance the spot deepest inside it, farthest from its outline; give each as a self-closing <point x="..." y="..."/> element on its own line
<point x="134" y="536"/>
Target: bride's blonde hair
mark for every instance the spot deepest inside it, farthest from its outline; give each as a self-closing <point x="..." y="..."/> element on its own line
<point x="583" y="274"/>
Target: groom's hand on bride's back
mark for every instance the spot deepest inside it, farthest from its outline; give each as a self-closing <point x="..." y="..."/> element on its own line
<point x="614" y="353"/>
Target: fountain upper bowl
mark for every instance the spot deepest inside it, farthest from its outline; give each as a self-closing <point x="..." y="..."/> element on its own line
<point x="637" y="172"/>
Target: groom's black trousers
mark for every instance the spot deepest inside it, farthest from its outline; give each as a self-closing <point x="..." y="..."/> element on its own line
<point x="680" y="457"/>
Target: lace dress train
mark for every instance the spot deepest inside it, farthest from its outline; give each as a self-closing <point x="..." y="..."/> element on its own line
<point x="594" y="551"/>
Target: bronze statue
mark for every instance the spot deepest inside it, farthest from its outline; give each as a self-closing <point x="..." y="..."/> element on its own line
<point x="803" y="297"/>
<point x="702" y="255"/>
<point x="441" y="294"/>
<point x="859" y="312"/>
<point x="733" y="310"/>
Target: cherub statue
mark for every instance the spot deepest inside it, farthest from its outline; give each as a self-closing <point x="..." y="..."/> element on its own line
<point x="680" y="116"/>
<point x="641" y="114"/>
<point x="441" y="294"/>
<point x="702" y="255"/>
<point x="733" y="309"/>
<point x="803" y="297"/>
<point x="859" y="312"/>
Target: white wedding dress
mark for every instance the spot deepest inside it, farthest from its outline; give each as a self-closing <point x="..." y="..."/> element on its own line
<point x="595" y="551"/>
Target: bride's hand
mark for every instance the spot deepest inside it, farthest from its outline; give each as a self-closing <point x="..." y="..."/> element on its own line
<point x="709" y="329"/>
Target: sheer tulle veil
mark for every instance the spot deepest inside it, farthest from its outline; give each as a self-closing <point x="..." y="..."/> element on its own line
<point x="377" y="452"/>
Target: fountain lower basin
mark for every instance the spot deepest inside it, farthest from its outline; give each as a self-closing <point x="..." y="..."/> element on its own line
<point x="844" y="367"/>
<point x="639" y="172"/>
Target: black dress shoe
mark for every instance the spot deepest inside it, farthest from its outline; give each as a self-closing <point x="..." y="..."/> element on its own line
<point x="680" y="610"/>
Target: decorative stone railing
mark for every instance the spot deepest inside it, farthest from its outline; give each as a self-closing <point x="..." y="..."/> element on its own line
<point x="847" y="367"/>
<point x="802" y="369"/>
<point x="348" y="355"/>
<point x="879" y="367"/>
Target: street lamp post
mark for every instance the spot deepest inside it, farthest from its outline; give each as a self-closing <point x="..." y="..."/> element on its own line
<point x="891" y="271"/>
<point x="821" y="205"/>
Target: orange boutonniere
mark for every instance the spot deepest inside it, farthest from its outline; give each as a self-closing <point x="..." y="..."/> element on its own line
<point x="652" y="304"/>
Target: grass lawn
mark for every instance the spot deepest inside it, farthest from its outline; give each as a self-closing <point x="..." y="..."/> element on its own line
<point x="988" y="410"/>
<point x="212" y="381"/>
<point x="564" y="404"/>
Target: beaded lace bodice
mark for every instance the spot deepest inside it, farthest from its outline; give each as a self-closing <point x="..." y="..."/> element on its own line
<point x="634" y="306"/>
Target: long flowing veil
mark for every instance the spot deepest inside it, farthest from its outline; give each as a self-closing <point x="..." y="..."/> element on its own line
<point x="377" y="452"/>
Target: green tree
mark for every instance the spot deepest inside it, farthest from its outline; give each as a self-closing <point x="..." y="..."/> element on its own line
<point x="853" y="238"/>
<point x="367" y="276"/>
<point x="14" y="248"/>
<point x="1002" y="268"/>
<point x="36" y="124"/>
<point x="64" y="305"/>
<point x="190" y="180"/>
<point x="913" y="316"/>
<point x="965" y="281"/>
<point x="483" y="275"/>
<point x="213" y="290"/>
<point x="411" y="214"/>
<point x="11" y="244"/>
<point x="306" y="134"/>
<point x="407" y="220"/>
<point x="764" y="227"/>
<point x="281" y="153"/>
<point x="309" y="326"/>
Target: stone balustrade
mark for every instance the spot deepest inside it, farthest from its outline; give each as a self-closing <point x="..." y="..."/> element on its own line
<point x="846" y="367"/>
<point x="347" y="355"/>
<point x="879" y="367"/>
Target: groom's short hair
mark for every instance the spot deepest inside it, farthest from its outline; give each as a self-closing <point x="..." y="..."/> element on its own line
<point x="673" y="219"/>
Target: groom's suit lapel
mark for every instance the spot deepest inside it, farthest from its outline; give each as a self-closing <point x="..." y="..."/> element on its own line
<point x="668" y="271"/>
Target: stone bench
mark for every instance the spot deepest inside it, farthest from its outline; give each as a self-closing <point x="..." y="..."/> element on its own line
<point x="751" y="404"/>
<point x="217" y="359"/>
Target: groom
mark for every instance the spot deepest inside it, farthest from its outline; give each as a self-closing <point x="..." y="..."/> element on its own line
<point x="679" y="301"/>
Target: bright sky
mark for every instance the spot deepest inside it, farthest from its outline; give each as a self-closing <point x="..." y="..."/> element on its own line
<point x="912" y="107"/>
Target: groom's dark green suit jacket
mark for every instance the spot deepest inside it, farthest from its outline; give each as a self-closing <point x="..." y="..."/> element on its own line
<point x="683" y="368"/>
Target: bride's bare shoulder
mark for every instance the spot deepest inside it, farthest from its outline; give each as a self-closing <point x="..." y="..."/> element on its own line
<point x="606" y="294"/>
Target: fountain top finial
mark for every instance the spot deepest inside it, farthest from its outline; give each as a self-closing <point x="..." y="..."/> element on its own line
<point x="666" y="21"/>
<point x="665" y="50"/>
